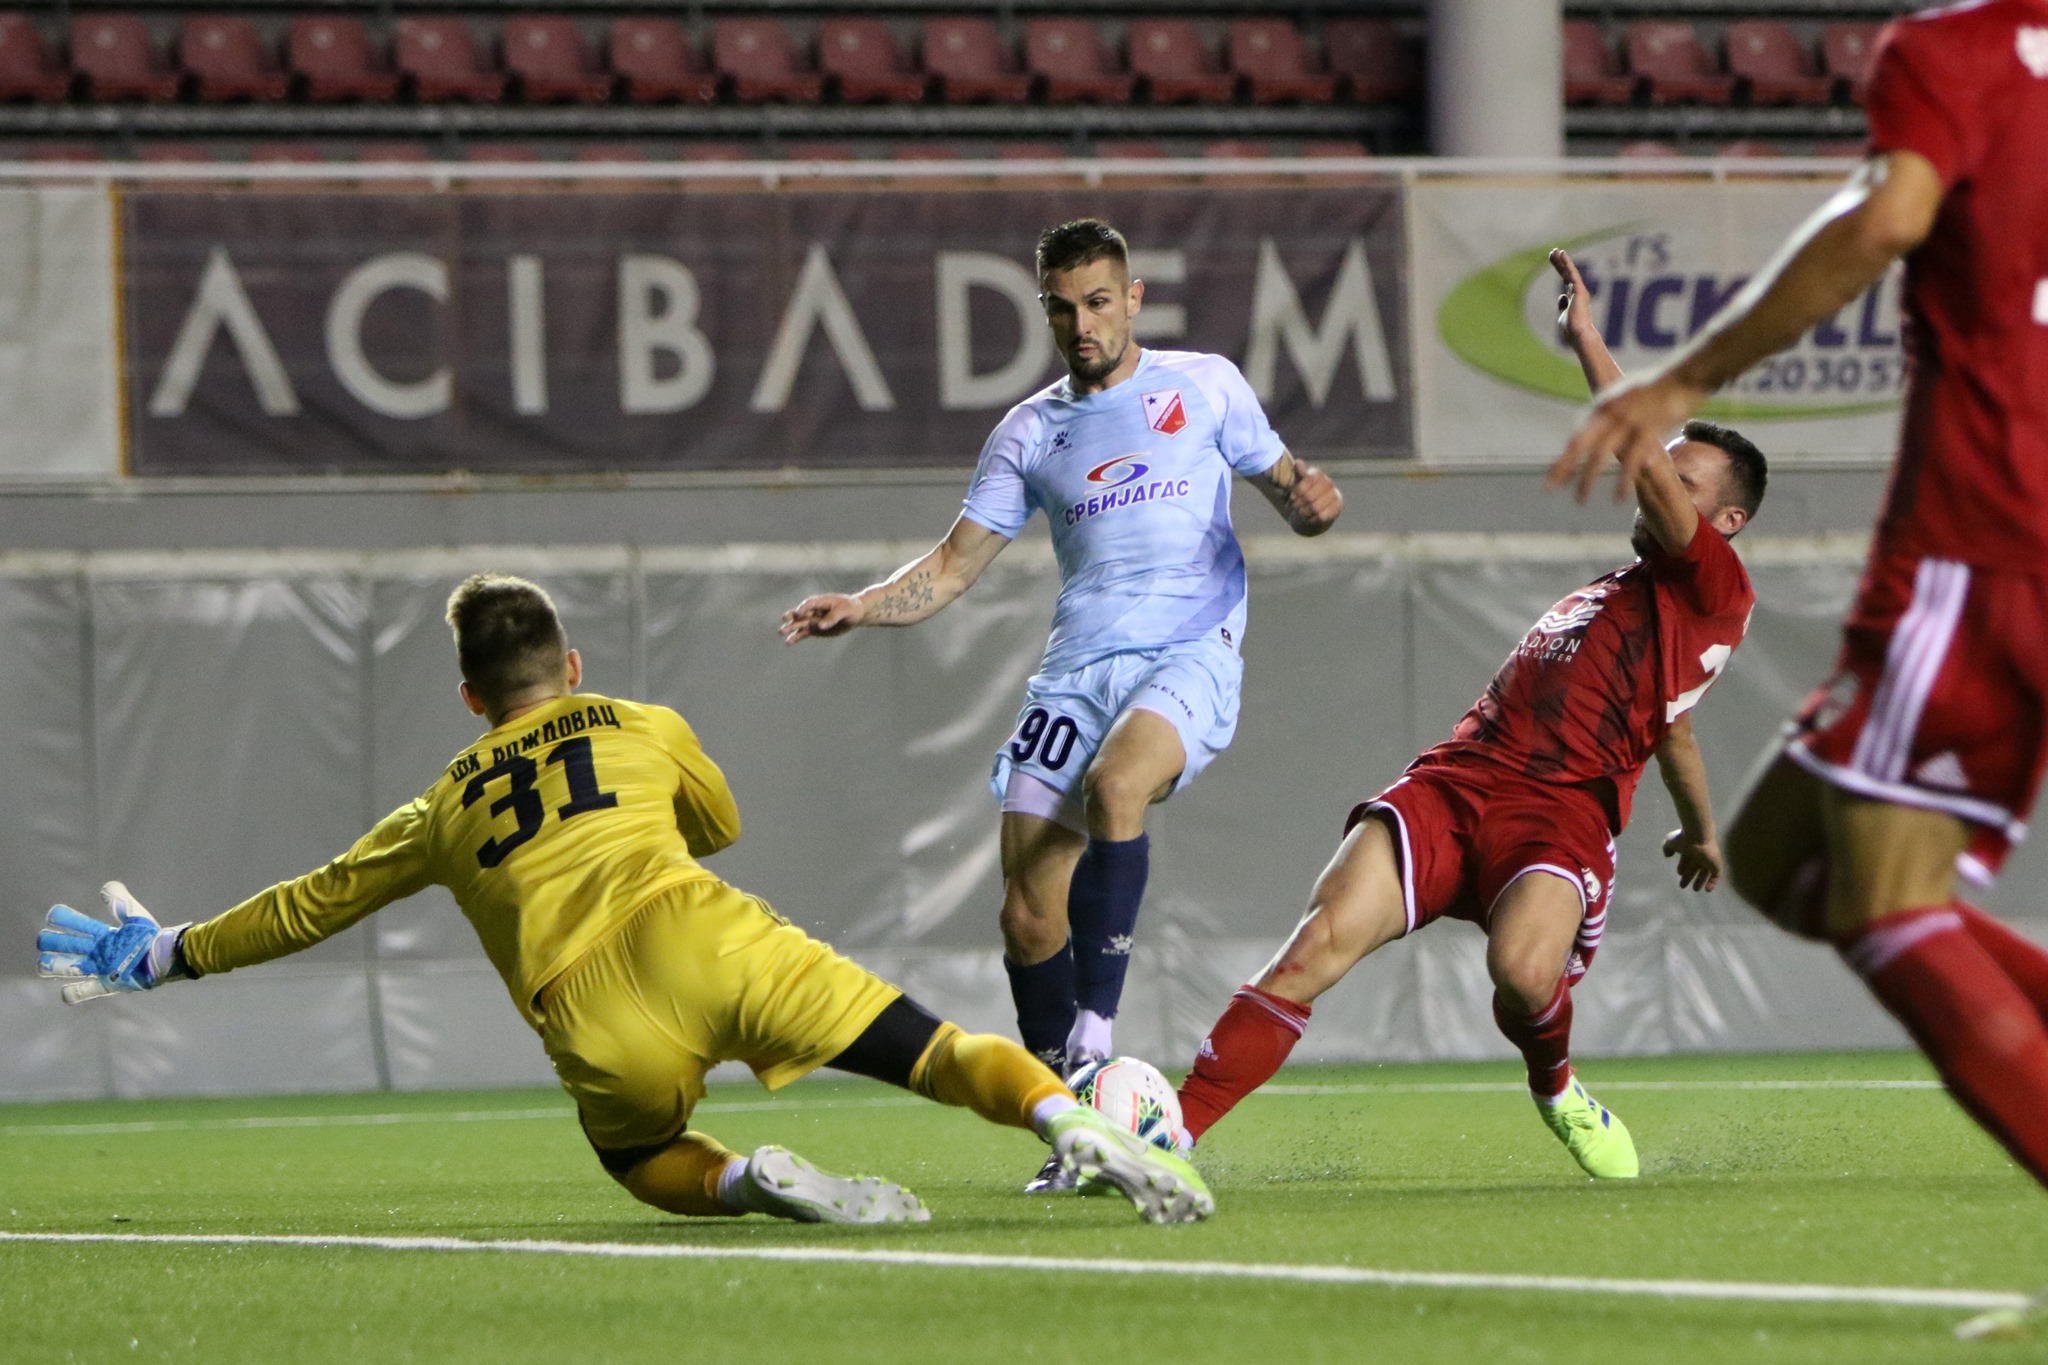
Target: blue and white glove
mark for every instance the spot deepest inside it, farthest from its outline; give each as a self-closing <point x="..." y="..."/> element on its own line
<point x="134" y="953"/>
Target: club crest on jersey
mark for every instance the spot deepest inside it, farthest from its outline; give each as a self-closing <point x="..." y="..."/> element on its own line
<point x="2033" y="48"/>
<point x="1164" y="412"/>
<point x="1122" y="470"/>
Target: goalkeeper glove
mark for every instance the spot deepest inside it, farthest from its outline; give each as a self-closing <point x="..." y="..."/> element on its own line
<point x="134" y="953"/>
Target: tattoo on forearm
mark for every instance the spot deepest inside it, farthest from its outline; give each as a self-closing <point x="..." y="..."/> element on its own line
<point x="911" y="595"/>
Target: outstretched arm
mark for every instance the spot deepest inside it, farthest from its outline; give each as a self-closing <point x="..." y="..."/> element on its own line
<point x="915" y="591"/>
<point x="1663" y="496"/>
<point x="1306" y="498"/>
<point x="1695" y="843"/>
<point x="1576" y="328"/>
<point x="1885" y="210"/>
<point x="135" y="953"/>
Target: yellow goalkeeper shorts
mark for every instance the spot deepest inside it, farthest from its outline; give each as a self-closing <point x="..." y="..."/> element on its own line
<point x="701" y="974"/>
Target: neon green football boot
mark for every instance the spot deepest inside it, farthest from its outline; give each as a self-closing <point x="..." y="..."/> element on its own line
<point x="1597" y="1140"/>
<point x="1164" y="1188"/>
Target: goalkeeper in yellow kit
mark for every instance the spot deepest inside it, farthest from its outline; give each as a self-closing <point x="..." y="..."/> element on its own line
<point x="570" y="835"/>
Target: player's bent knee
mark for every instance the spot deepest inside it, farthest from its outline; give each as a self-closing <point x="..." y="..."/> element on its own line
<point x="1030" y="935"/>
<point x="1115" y="791"/>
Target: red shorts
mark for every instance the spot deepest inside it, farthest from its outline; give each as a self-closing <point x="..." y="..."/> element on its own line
<point x="1939" y="698"/>
<point x="1465" y="834"/>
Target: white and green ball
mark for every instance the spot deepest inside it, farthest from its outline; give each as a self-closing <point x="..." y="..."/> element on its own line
<point x="1133" y="1095"/>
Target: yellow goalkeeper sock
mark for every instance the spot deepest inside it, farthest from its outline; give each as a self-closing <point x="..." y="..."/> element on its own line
<point x="993" y="1076"/>
<point x="683" y="1177"/>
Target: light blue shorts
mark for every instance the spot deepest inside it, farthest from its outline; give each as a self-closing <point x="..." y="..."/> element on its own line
<point x="1065" y="717"/>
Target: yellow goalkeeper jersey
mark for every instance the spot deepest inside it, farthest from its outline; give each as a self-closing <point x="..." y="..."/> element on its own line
<point x="551" y="831"/>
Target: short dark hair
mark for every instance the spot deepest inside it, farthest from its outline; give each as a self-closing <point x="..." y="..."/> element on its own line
<point x="508" y="636"/>
<point x="1072" y="245"/>
<point x="1748" y="474"/>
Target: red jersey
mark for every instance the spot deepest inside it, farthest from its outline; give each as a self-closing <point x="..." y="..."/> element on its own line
<point x="1967" y="88"/>
<point x="1589" y="693"/>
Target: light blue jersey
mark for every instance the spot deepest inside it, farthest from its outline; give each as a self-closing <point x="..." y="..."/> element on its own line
<point x="1135" y="481"/>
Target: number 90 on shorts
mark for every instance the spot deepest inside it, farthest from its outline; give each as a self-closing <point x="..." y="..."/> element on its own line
<point x="1043" y="736"/>
<point x="1065" y="717"/>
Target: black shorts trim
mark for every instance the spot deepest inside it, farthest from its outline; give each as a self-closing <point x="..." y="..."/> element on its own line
<point x="887" y="1049"/>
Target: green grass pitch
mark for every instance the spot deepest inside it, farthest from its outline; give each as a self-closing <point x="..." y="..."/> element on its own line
<point x="1392" y="1168"/>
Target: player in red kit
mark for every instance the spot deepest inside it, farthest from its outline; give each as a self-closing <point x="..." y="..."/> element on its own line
<point x="1510" y="823"/>
<point x="1922" y="755"/>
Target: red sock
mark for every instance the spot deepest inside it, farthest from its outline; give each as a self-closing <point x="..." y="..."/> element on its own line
<point x="1241" y="1053"/>
<point x="1970" y="1018"/>
<point x="1544" y="1038"/>
<point x="2019" y="957"/>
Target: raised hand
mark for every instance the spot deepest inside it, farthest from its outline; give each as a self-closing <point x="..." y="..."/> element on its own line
<point x="828" y="613"/>
<point x="1628" y="423"/>
<point x="1699" y="861"/>
<point x="1575" y="304"/>
<point x="134" y="953"/>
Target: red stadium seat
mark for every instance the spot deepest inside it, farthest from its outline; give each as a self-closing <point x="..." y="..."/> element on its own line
<point x="1173" y="65"/>
<point x="27" y="71"/>
<point x="1069" y="57"/>
<point x="758" y="58"/>
<point x="160" y="153"/>
<point x="971" y="63"/>
<point x="332" y="59"/>
<point x="1748" y="150"/>
<point x="927" y="151"/>
<point x="1676" y="63"/>
<point x="817" y="151"/>
<point x="1236" y="149"/>
<point x="114" y="56"/>
<point x="546" y="56"/>
<point x="1269" y="53"/>
<point x="861" y="59"/>
<point x="1132" y="151"/>
<point x="721" y="151"/>
<point x="1767" y="59"/>
<point x="1371" y="62"/>
<point x="439" y="58"/>
<point x="228" y="61"/>
<point x="66" y="153"/>
<point x="286" y="154"/>
<point x="610" y="151"/>
<point x="1845" y="55"/>
<point x="1335" y="149"/>
<point x="407" y="152"/>
<point x="495" y="153"/>
<point x="1592" y="71"/>
<point x="1034" y="151"/>
<point x="659" y="64"/>
<point x="1649" y="151"/>
<point x="1855" y="150"/>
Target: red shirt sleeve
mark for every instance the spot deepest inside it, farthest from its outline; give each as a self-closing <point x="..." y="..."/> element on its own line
<point x="1707" y="575"/>
<point x="1914" y="105"/>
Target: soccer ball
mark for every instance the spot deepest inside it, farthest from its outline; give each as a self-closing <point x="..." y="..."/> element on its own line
<point x="1133" y="1095"/>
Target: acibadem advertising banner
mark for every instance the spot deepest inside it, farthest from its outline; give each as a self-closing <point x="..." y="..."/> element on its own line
<point x="565" y="332"/>
<point x="1495" y="385"/>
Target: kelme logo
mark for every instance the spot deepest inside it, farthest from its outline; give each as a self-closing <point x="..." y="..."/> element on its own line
<point x="1653" y="289"/>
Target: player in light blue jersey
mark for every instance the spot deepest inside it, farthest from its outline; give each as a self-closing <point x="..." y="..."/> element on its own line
<point x="1129" y="457"/>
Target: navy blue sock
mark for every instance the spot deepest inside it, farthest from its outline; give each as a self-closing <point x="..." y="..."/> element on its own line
<point x="1102" y="913"/>
<point x="1044" y="993"/>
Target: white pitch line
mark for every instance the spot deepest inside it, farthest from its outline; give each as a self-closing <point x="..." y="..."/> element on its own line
<point x="886" y="1102"/>
<point x="403" y="1117"/>
<point x="1515" y="1087"/>
<point x="1966" y="1300"/>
